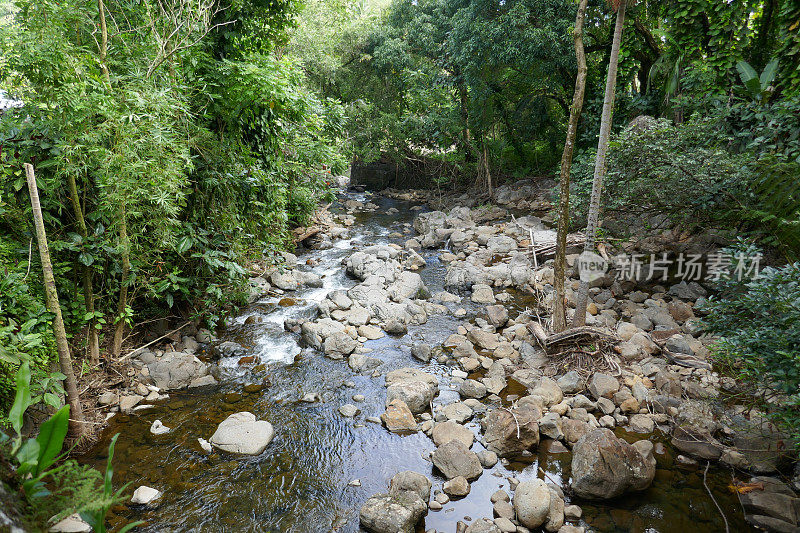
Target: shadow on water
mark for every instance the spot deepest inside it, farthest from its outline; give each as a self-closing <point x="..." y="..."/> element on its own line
<point x="302" y="482"/>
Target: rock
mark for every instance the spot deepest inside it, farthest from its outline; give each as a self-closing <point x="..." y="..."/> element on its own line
<point x="444" y="432"/>
<point x="509" y="432"/>
<point x="555" y="514"/>
<point x="776" y="505"/>
<point x="157" y="428"/>
<point x="370" y="332"/>
<point x="398" y="417"/>
<point x="458" y="412"/>
<point x="203" y="381"/>
<point x="573" y="512"/>
<point x="383" y="513"/>
<point x="395" y="327"/>
<point x="570" y="383"/>
<point x="410" y="481"/>
<point x="417" y="395"/>
<point x="175" y="370"/>
<point x="348" y="410"/>
<point x="765" y="448"/>
<point x="687" y="291"/>
<point x="769" y="523"/>
<point x="108" y="398"/>
<point x="532" y="503"/>
<point x="549" y="391"/>
<point x="602" y="385"/>
<point x="144" y="495"/>
<point x="696" y="441"/>
<point x="339" y="344"/>
<point x="497" y="315"/>
<point x="604" y="466"/>
<point x="421" y="352"/>
<point x="242" y="433"/>
<point x="678" y="344"/>
<point x="482" y="525"/>
<point x="407" y="285"/>
<point x="487" y="458"/>
<point x="456" y="487"/>
<point x="482" y="294"/>
<point x="471" y="388"/>
<point x="505" y="525"/>
<point x="204" y="445"/>
<point x="453" y="459"/>
<point x="483" y="339"/>
<point x="501" y="244"/>
<point x="128" y="402"/>
<point x="71" y="524"/>
<point x="641" y="424"/>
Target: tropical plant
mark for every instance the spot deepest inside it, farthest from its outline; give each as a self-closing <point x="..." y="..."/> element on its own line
<point x="759" y="87"/>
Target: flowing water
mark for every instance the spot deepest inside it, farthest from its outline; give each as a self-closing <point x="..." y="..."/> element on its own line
<point x="302" y="482"/>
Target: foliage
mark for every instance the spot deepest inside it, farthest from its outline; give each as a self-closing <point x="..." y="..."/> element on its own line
<point x="759" y="324"/>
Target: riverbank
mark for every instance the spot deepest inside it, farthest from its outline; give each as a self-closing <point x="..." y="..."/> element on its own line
<point x="401" y="318"/>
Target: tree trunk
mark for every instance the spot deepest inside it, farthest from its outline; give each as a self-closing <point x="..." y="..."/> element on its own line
<point x="88" y="291"/>
<point x="76" y="421"/>
<point x="101" y="8"/>
<point x="559" y="309"/>
<point x="600" y="161"/>
<point x="122" y="303"/>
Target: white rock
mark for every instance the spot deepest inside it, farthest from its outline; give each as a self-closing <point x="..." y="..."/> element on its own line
<point x="71" y="524"/>
<point x="158" y="428"/>
<point x="204" y="444"/>
<point x="144" y="495"/>
<point x="242" y="433"/>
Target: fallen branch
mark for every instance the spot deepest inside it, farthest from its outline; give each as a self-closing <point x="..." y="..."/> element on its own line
<point x="705" y="473"/>
<point x="578" y="334"/>
<point x="129" y="354"/>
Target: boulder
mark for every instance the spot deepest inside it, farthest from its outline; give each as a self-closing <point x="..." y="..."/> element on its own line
<point x="454" y="459"/>
<point x="176" y="370"/>
<point x="339" y="345"/>
<point x="384" y="513"/>
<point x="570" y="383"/>
<point x="410" y="481"/>
<point x="242" y="433"/>
<point x="509" y="432"/>
<point x="398" y="417"/>
<point x="497" y="315"/>
<point x="444" y="432"/>
<point x="457" y="487"/>
<point x="532" y="503"/>
<point x="696" y="441"/>
<point x="471" y="388"/>
<point x="604" y="466"/>
<point x="145" y="495"/>
<point x="415" y="387"/>
<point x="421" y="352"/>
<point x="602" y="385"/>
<point x="407" y="285"/>
<point x="549" y="391"/>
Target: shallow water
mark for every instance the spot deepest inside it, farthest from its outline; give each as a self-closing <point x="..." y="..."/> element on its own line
<point x="301" y="482"/>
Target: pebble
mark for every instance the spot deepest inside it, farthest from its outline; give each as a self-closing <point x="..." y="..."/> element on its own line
<point x="158" y="428"/>
<point x="348" y="410"/>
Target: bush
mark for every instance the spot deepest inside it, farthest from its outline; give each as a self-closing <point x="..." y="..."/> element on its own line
<point x="759" y="324"/>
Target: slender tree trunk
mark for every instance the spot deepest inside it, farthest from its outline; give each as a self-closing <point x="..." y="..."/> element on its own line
<point x="88" y="291"/>
<point x="600" y="161"/>
<point x="101" y="8"/>
<point x="122" y="303"/>
<point x="488" y="174"/>
<point x="559" y="308"/>
<point x="76" y="421"/>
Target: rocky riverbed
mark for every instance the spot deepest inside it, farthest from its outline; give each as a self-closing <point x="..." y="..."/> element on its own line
<point x="387" y="377"/>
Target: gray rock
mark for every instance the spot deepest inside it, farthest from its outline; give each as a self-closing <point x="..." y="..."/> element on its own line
<point x="602" y="385"/>
<point x="570" y="383"/>
<point x="456" y="487"/>
<point x="532" y="503"/>
<point x="471" y="388"/>
<point x="242" y="433"/>
<point x="487" y="458"/>
<point x="176" y="370"/>
<point x="444" y="432"/>
<point x="641" y="424"/>
<point x="421" y="352"/>
<point x="687" y="291"/>
<point x="348" y="410"/>
<point x="458" y="412"/>
<point x="482" y="525"/>
<point x="549" y="391"/>
<point x="407" y="285"/>
<point x="604" y="466"/>
<point x="383" y="513"/>
<point x="482" y="294"/>
<point x="497" y="315"/>
<point x="509" y="432"/>
<point x="410" y="481"/>
<point x="418" y="395"/>
<point x="453" y="459"/>
<point x="339" y="345"/>
<point x="696" y="441"/>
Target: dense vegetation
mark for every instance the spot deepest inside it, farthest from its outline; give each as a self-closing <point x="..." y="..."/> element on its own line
<point x="171" y="144"/>
<point x="174" y="142"/>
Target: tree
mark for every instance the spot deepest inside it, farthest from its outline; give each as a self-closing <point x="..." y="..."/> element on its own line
<point x="600" y="162"/>
<point x="559" y="311"/>
<point x="64" y="358"/>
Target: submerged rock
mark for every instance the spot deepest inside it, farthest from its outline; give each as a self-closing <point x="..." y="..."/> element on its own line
<point x="401" y="509"/>
<point x="508" y="432"/>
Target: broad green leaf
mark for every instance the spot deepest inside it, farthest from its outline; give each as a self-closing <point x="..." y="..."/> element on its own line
<point x="51" y="438"/>
<point x="22" y="399"/>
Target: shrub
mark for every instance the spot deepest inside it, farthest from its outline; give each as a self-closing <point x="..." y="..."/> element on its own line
<point x="758" y="321"/>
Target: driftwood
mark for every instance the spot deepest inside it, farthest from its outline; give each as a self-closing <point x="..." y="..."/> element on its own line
<point x="578" y="334"/>
<point x="318" y="224"/>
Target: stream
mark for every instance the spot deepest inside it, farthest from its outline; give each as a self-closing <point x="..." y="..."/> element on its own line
<point x="305" y="480"/>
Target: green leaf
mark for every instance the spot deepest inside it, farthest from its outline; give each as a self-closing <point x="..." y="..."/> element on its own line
<point x="86" y="258"/>
<point x="768" y="75"/>
<point x="23" y="397"/>
<point x="51" y="439"/>
<point x="184" y="244"/>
